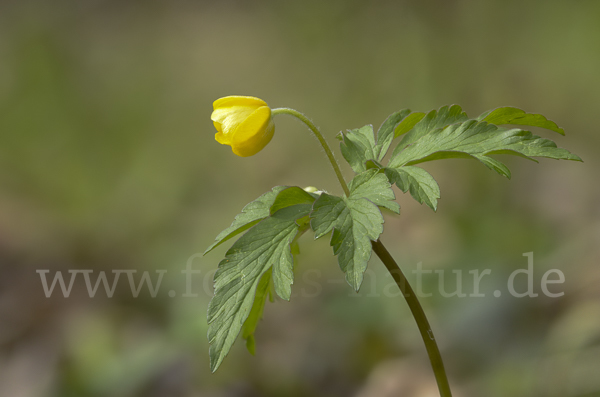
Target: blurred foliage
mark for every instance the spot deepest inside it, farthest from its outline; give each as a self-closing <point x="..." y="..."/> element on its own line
<point x="108" y="161"/>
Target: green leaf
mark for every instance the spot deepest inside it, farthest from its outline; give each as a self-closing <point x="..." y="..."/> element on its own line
<point x="355" y="223"/>
<point x="441" y="118"/>
<point x="355" y="220"/>
<point x="251" y="214"/>
<point x="283" y="276"/>
<point x="358" y="146"/>
<point x="265" y="245"/>
<point x="374" y="186"/>
<point x="510" y="115"/>
<point x="473" y="139"/>
<point x="385" y="134"/>
<point x="421" y="184"/>
<point x="256" y="313"/>
<point x="292" y="196"/>
<point x="408" y="123"/>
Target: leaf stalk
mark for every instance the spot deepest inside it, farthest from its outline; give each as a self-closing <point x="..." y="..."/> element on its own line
<point x="322" y="141"/>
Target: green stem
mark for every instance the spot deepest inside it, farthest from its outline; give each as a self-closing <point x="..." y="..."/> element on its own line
<point x="322" y="141"/>
<point x="411" y="298"/>
<point x="419" y="315"/>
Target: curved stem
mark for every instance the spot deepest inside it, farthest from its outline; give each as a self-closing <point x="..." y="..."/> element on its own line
<point x="411" y="298"/>
<point x="322" y="141"/>
<point x="419" y="315"/>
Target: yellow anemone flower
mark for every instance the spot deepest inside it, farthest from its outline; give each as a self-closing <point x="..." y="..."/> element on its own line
<point x="244" y="123"/>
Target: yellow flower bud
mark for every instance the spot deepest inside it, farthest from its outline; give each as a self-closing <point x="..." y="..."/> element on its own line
<point x="244" y="123"/>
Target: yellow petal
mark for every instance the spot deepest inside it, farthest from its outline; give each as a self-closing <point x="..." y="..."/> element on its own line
<point x="231" y="117"/>
<point x="254" y="133"/>
<point x="222" y="138"/>
<point x="220" y="114"/>
<point x="236" y="100"/>
<point x="218" y="126"/>
<point x="219" y="136"/>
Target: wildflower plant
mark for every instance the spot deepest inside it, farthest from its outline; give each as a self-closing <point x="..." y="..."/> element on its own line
<point x="260" y="263"/>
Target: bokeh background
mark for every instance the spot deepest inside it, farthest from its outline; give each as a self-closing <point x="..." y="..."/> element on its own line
<point x="108" y="161"/>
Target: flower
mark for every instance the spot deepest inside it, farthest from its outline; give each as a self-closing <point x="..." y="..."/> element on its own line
<point x="244" y="123"/>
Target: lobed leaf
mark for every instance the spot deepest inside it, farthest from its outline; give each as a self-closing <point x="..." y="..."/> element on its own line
<point x="265" y="245"/>
<point x="292" y="196"/>
<point x="260" y="258"/>
<point x="473" y="139"/>
<point x="408" y="123"/>
<point x="510" y="115"/>
<point x="251" y="214"/>
<point x="386" y="134"/>
<point x="421" y="184"/>
<point x="358" y="146"/>
<point x="434" y="120"/>
<point x="256" y="312"/>
<point x="375" y="187"/>
<point x="355" y="220"/>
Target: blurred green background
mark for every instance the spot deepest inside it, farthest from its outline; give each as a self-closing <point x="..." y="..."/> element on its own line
<point x="108" y="161"/>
